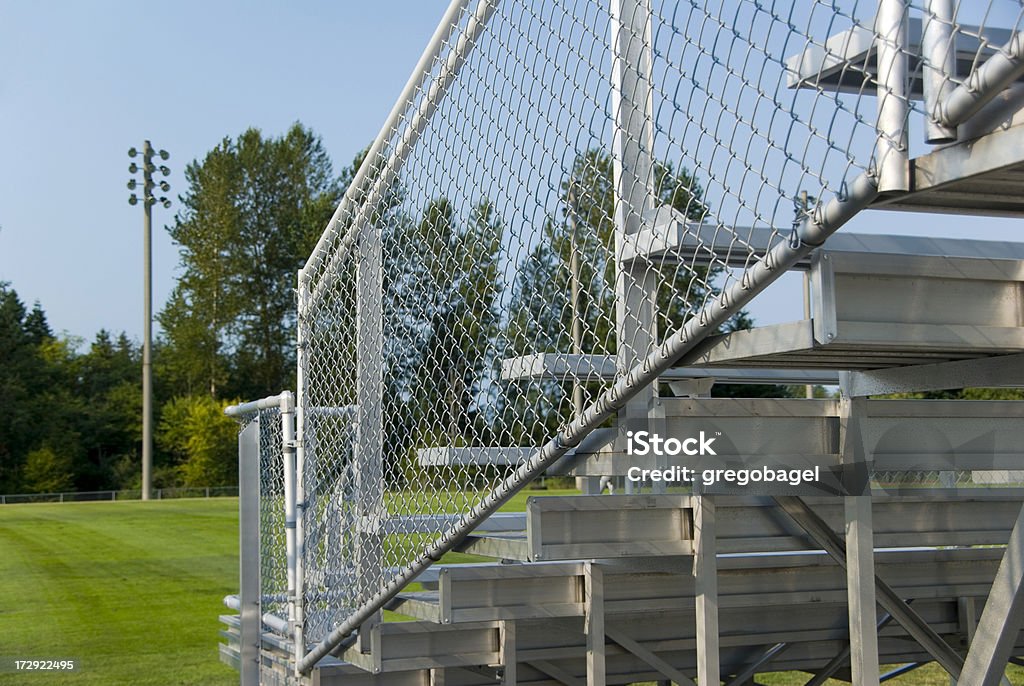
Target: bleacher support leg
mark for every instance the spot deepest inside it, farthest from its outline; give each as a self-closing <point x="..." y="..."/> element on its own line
<point x="860" y="550"/>
<point x="860" y="588"/>
<point x="633" y="170"/>
<point x="705" y="572"/>
<point x="508" y="654"/>
<point x="832" y="544"/>
<point x="594" y="624"/>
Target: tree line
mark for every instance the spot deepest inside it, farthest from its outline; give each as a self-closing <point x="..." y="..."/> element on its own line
<point x="253" y="211"/>
<point x="251" y="214"/>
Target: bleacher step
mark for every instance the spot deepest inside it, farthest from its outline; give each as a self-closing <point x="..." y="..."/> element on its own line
<point x="587" y="368"/>
<point x="619" y="526"/>
<point x="549" y="590"/>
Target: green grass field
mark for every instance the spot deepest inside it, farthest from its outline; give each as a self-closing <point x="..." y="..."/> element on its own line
<point x="133" y="590"/>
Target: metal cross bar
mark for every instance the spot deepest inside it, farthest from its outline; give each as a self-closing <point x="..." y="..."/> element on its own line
<point x="1001" y="371"/>
<point x="555" y="672"/>
<point x="900" y="671"/>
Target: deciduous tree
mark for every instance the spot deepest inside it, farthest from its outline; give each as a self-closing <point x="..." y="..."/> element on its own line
<point x="253" y="210"/>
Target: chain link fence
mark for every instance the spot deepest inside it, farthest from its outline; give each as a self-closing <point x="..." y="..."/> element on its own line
<point x="953" y="479"/>
<point x="273" y="551"/>
<point x="274" y="419"/>
<point x="602" y="184"/>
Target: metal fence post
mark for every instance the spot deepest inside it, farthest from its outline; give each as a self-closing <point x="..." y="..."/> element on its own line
<point x="892" y="153"/>
<point x="369" y="448"/>
<point x="939" y="67"/>
<point x="301" y="358"/>
<point x="249" y="552"/>
<point x="633" y="168"/>
<point x="288" y="454"/>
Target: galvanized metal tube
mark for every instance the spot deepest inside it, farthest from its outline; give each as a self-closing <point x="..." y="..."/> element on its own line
<point x="892" y="155"/>
<point x="939" y="53"/>
<point x="758" y="277"/>
<point x="985" y="83"/>
<point x="288" y="456"/>
<point x="249" y="553"/>
<point x="302" y="334"/>
<point x="387" y="173"/>
<point x="253" y="406"/>
<point x="276" y="624"/>
<point x="430" y="54"/>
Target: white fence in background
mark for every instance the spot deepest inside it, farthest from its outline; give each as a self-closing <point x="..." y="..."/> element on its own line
<point x="129" y="494"/>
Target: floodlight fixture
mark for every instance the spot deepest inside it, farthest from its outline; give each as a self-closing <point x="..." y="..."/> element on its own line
<point x="148" y="200"/>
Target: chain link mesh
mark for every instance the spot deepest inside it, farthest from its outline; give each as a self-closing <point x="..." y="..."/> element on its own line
<point x="954" y="479"/>
<point x="273" y="551"/>
<point x="572" y="178"/>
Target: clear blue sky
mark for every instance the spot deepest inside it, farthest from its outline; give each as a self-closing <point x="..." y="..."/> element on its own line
<point x="81" y="82"/>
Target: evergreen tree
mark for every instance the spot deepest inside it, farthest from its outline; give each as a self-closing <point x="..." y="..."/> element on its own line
<point x="22" y="374"/>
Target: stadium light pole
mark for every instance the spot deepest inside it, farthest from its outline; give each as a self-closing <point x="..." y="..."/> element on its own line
<point x="148" y="200"/>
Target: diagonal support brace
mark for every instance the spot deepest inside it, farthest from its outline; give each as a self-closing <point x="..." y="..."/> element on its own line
<point x="649" y="657"/>
<point x="1001" y="619"/>
<point x="841" y="658"/>
<point x="822" y="534"/>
